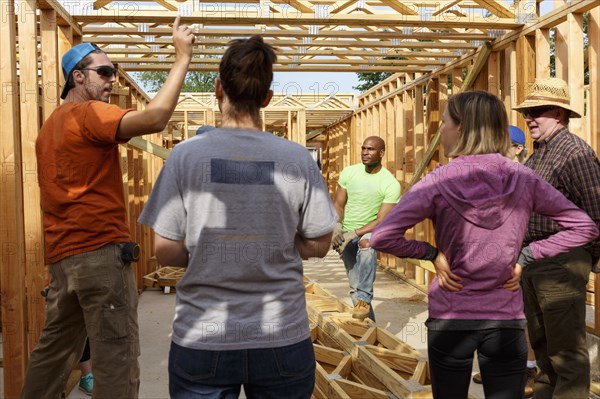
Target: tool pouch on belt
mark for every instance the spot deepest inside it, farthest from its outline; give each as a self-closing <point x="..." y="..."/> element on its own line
<point x="130" y="252"/>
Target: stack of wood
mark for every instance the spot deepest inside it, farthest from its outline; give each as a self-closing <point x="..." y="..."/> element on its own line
<point x="358" y="360"/>
<point x="164" y="277"/>
<point x="590" y="289"/>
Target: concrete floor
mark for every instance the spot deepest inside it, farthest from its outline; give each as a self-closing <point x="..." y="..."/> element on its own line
<point x="399" y="307"/>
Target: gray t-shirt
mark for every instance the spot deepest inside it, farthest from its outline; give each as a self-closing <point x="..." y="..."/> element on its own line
<point x="237" y="198"/>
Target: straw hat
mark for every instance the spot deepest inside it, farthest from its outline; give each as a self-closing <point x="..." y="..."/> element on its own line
<point x="550" y="91"/>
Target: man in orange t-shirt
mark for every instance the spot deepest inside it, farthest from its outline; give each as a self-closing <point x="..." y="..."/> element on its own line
<point x="92" y="290"/>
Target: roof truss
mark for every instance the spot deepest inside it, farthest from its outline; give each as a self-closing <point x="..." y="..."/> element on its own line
<point x="309" y="35"/>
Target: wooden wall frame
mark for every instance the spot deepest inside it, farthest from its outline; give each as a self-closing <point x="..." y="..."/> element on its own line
<point x="434" y="49"/>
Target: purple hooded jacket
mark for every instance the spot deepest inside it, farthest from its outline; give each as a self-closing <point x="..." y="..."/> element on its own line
<point x="480" y="207"/>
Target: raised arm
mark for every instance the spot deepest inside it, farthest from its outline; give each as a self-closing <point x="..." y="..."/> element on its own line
<point x="156" y="115"/>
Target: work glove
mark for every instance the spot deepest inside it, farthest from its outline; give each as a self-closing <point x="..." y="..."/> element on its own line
<point x="337" y="237"/>
<point x="346" y="238"/>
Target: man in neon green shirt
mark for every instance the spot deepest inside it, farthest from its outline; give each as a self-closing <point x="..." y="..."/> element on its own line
<point x="366" y="193"/>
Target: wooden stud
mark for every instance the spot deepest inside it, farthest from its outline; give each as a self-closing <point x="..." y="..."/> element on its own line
<point x="12" y="230"/>
<point x="36" y="272"/>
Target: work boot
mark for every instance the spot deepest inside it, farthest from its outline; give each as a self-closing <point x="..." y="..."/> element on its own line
<point x="477" y="378"/>
<point x="531" y="374"/>
<point x="361" y="310"/>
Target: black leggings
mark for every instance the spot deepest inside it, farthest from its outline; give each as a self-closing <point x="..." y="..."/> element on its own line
<point x="502" y="355"/>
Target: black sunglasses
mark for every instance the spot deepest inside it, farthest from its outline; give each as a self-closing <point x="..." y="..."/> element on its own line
<point x="536" y="112"/>
<point x="103" y="70"/>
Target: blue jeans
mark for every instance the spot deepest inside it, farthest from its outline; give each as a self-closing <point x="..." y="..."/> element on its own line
<point x="361" y="265"/>
<point x="287" y="372"/>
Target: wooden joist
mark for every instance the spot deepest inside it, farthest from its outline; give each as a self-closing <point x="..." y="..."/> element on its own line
<point x="167" y="276"/>
<point x="357" y="359"/>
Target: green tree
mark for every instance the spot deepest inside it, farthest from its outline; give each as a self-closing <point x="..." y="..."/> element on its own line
<point x="370" y="79"/>
<point x="195" y="82"/>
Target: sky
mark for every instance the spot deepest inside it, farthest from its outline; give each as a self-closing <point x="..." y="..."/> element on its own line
<point x="314" y="82"/>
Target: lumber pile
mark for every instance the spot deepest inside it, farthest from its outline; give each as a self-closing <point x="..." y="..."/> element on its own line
<point x="164" y="277"/>
<point x="358" y="360"/>
<point x="589" y="295"/>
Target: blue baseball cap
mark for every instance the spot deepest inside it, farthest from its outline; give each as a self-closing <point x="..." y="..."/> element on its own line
<point x="72" y="58"/>
<point x="516" y="135"/>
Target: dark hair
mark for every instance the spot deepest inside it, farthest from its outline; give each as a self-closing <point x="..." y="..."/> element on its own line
<point x="84" y="63"/>
<point x="246" y="73"/>
<point x="483" y="123"/>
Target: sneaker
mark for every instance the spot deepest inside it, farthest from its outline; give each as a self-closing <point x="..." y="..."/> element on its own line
<point x="531" y="374"/>
<point x="86" y="384"/>
<point x="361" y="310"/>
<point x="477" y="379"/>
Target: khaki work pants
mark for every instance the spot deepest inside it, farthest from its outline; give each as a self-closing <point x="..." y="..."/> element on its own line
<point x="554" y="293"/>
<point x="91" y="294"/>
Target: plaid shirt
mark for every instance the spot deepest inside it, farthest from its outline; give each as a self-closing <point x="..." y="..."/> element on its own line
<point x="571" y="166"/>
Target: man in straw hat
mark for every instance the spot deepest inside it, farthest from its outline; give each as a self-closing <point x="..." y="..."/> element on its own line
<point x="92" y="290"/>
<point x="555" y="288"/>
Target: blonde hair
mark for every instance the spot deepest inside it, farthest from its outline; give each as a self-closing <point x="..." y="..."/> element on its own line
<point x="482" y="121"/>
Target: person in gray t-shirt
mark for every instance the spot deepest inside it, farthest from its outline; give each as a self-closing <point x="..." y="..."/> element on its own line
<point x="241" y="208"/>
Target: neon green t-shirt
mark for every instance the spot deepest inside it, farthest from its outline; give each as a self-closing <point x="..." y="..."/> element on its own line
<point x="366" y="193"/>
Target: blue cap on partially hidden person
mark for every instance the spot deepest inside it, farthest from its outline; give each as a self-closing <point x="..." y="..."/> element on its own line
<point x="72" y="58"/>
<point x="516" y="135"/>
<point x="204" y="129"/>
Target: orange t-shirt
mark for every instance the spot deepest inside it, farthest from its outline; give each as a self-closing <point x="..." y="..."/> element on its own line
<point x="80" y="179"/>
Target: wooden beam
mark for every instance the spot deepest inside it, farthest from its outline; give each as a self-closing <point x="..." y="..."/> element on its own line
<point x="401" y="7"/>
<point x="36" y="272"/>
<point x="213" y="63"/>
<point x="496" y="7"/>
<point x="549" y="20"/>
<point x="525" y="67"/>
<point x="594" y="99"/>
<point x="272" y="32"/>
<point x="542" y="53"/>
<point x="49" y="61"/>
<point x="12" y="235"/>
<point x="237" y="18"/>
<point x="64" y="17"/>
<point x="575" y="77"/>
<point x="413" y="55"/>
<point x="479" y="63"/>
<point x="98" y="4"/>
<point x="149" y="147"/>
<point x="325" y="44"/>
<point x="470" y="78"/>
<point x="293" y="68"/>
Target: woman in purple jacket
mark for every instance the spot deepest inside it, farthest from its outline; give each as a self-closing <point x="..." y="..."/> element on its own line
<point x="479" y="204"/>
